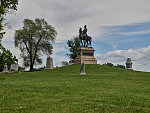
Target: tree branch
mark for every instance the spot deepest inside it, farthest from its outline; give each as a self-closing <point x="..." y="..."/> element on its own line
<point x="26" y="46"/>
<point x="36" y="49"/>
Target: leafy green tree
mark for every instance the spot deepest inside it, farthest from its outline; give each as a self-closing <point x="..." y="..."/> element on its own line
<point x="6" y="6"/>
<point x="5" y="57"/>
<point x="73" y="44"/>
<point x="34" y="39"/>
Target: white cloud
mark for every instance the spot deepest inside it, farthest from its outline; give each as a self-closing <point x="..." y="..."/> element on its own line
<point x="57" y="59"/>
<point x="139" y="57"/>
<point x="67" y="16"/>
<point x="135" y="33"/>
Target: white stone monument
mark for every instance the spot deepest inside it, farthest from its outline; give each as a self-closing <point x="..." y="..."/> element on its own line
<point x="14" y="66"/>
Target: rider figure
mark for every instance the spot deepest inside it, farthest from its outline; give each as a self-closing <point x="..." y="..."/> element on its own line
<point x="85" y="31"/>
<point x="80" y="32"/>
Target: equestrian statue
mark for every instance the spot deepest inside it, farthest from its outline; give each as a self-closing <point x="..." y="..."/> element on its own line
<point x="85" y="40"/>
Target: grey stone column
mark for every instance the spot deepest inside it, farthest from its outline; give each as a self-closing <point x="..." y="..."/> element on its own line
<point x="49" y="63"/>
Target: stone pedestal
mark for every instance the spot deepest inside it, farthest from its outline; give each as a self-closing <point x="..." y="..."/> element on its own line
<point x="85" y="54"/>
<point x="49" y="63"/>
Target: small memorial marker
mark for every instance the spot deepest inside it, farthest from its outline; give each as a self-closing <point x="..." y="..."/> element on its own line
<point x="82" y="69"/>
<point x="5" y="69"/>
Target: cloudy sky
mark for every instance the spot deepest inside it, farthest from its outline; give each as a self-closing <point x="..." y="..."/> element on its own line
<point x="119" y="28"/>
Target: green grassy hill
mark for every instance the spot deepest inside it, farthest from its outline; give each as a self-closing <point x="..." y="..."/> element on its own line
<point x="63" y="90"/>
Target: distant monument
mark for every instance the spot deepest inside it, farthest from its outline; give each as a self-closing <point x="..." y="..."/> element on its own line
<point x="14" y="66"/>
<point x="49" y="63"/>
<point x="85" y="52"/>
<point x="129" y="63"/>
<point x="5" y="69"/>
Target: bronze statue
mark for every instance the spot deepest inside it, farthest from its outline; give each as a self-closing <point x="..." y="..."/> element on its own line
<point x="85" y="31"/>
<point x="85" y="40"/>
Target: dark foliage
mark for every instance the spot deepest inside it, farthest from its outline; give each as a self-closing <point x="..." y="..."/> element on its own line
<point x="112" y="65"/>
<point x="108" y="64"/>
<point x="120" y="66"/>
<point x="73" y="44"/>
<point x="5" y="58"/>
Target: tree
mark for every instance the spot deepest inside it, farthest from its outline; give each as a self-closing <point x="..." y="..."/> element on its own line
<point x="108" y="64"/>
<point x="34" y="39"/>
<point x="5" y="57"/>
<point x="6" y="6"/>
<point x="111" y="65"/>
<point x="73" y="44"/>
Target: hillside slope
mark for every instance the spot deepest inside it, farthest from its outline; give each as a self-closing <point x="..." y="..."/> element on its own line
<point x="103" y="89"/>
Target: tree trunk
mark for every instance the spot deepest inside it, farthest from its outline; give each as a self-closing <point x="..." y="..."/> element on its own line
<point x="31" y="67"/>
<point x="31" y="64"/>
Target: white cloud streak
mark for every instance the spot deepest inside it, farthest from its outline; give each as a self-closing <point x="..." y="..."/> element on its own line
<point x="140" y="58"/>
<point x="135" y="33"/>
<point x="67" y="16"/>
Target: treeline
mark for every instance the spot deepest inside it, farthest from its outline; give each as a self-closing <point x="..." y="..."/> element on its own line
<point x="112" y="65"/>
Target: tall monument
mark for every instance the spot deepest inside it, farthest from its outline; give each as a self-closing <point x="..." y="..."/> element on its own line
<point x="49" y="63"/>
<point x="85" y="52"/>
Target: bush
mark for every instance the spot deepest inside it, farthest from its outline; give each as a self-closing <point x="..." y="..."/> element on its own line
<point x="108" y="64"/>
<point x="120" y="66"/>
<point x="64" y="63"/>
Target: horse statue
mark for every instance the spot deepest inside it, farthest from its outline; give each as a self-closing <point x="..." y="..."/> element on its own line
<point x="85" y="40"/>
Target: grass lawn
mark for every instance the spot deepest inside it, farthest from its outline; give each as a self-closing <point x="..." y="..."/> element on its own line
<point x="63" y="90"/>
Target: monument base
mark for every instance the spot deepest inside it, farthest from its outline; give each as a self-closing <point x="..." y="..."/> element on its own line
<point x="85" y="54"/>
<point x="82" y="73"/>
